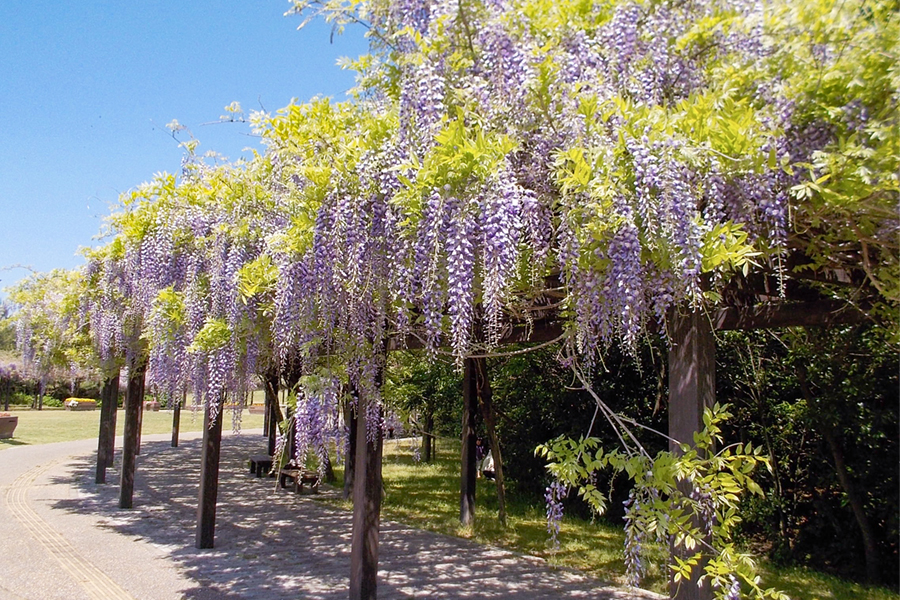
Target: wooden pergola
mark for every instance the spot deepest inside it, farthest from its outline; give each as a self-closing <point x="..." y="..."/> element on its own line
<point x="691" y="365"/>
<point x="692" y="375"/>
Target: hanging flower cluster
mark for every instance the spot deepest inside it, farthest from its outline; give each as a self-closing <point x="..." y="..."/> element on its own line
<point x="639" y="155"/>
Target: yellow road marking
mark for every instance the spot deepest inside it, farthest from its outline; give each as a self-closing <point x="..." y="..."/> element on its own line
<point x="97" y="584"/>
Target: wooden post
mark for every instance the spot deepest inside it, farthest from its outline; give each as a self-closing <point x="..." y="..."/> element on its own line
<point x="366" y="510"/>
<point x="692" y="387"/>
<point x="467" y="459"/>
<point x="209" y="478"/>
<point x="140" y="423"/>
<point x="176" y="423"/>
<point x="106" y="438"/>
<point x="291" y="446"/>
<point x="267" y="412"/>
<point x="272" y="411"/>
<point x="350" y="418"/>
<point x="134" y="399"/>
<point x="428" y="437"/>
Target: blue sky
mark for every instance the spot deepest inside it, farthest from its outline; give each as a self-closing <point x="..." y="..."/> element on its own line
<point x="86" y="89"/>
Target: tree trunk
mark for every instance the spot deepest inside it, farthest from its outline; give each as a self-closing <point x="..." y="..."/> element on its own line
<point x="783" y="528"/>
<point x="468" y="467"/>
<point x="485" y="397"/>
<point x="857" y="505"/>
<point x="870" y="548"/>
<point x="328" y="470"/>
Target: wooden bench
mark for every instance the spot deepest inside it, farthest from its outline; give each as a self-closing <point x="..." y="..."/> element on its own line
<point x="260" y="465"/>
<point x="299" y="478"/>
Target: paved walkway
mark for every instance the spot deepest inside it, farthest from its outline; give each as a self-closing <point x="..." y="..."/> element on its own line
<point x="64" y="538"/>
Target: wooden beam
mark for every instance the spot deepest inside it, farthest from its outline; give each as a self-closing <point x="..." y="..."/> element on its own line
<point x="692" y="388"/>
<point x="209" y="479"/>
<point x="823" y="313"/>
<point x="468" y="467"/>
<point x="134" y="399"/>
<point x="107" y="435"/>
<point x="767" y="315"/>
<point x="367" y="488"/>
<point x="539" y="331"/>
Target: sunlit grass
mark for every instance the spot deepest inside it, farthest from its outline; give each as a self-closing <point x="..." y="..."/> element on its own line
<point x="427" y="496"/>
<point x="59" y="425"/>
<point x="804" y="584"/>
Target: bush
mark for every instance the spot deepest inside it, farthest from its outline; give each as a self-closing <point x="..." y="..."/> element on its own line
<point x="21" y="399"/>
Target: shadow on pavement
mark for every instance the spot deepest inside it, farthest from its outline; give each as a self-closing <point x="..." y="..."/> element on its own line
<point x="271" y="543"/>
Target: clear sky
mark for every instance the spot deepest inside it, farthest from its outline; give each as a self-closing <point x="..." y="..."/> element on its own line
<point x="86" y="89"/>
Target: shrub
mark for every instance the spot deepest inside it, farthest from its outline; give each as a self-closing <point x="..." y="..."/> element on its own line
<point x="21" y="399"/>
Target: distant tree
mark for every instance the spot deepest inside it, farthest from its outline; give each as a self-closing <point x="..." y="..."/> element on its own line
<point x="49" y="334"/>
<point x="427" y="393"/>
<point x="7" y="330"/>
<point x="823" y="403"/>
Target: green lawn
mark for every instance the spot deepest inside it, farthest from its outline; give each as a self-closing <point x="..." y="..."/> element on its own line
<point x="427" y="496"/>
<point x="59" y="425"/>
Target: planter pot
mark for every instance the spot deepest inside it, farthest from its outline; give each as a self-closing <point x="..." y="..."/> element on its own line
<point x="151" y="405"/>
<point x="7" y="426"/>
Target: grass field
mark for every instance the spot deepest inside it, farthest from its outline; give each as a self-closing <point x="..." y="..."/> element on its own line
<point x="60" y="425"/>
<point x="427" y="496"/>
